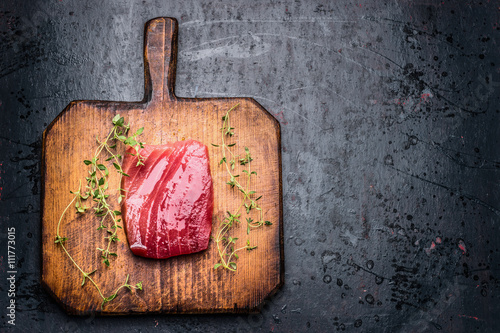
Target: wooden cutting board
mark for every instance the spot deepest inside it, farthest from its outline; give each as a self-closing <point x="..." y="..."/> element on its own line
<point x="184" y="284"/>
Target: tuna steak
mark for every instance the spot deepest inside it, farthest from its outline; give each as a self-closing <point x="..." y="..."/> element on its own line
<point x="168" y="204"/>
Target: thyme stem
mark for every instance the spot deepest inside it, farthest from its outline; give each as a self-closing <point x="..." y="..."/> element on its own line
<point x="225" y="243"/>
<point x="97" y="184"/>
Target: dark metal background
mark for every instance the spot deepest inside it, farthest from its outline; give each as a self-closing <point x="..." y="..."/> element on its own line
<point x="390" y="132"/>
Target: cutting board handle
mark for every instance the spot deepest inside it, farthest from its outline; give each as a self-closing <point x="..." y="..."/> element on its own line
<point x="160" y="59"/>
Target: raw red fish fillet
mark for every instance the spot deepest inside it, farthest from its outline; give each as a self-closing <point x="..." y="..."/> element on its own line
<point x="168" y="204"/>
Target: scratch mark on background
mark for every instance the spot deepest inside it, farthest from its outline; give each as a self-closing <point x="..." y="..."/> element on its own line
<point x="456" y="190"/>
<point x="10" y="196"/>
<point x="238" y="49"/>
<point x="493" y="165"/>
<point x="298" y="20"/>
<point x="357" y="267"/>
<point x="330" y="91"/>
<point x="383" y="56"/>
<point x="301" y="88"/>
<point x="413" y="27"/>
<point x="243" y="49"/>
<point x="212" y="41"/>
<point x="290" y="37"/>
<point x="260" y="97"/>
<point x="420" y="321"/>
<point x="14" y="141"/>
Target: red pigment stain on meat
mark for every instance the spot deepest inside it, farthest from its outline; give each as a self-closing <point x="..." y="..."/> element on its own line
<point x="168" y="204"/>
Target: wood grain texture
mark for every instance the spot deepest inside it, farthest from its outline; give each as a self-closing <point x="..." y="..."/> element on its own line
<point x="184" y="284"/>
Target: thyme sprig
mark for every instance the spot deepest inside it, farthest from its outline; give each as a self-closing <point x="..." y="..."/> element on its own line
<point x="60" y="240"/>
<point x="96" y="186"/>
<point x="226" y="245"/>
<point x="97" y="181"/>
